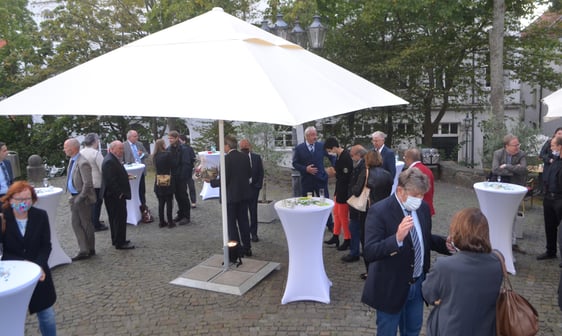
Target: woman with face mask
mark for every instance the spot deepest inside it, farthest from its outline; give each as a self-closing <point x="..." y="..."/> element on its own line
<point x="27" y="236"/>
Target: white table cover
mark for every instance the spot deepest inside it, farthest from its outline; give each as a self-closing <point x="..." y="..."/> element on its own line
<point x="209" y="160"/>
<point x="48" y="199"/>
<point x="133" y="205"/>
<point x="304" y="228"/>
<point x="399" y="166"/>
<point x="17" y="282"/>
<point x="499" y="203"/>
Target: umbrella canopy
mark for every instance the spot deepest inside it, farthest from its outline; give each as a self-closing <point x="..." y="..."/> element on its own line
<point x="554" y="103"/>
<point x="214" y="66"/>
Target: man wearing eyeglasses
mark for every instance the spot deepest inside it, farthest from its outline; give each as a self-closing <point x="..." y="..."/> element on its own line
<point x="509" y="163"/>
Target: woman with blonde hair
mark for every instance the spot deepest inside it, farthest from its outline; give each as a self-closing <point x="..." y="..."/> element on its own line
<point x="464" y="287"/>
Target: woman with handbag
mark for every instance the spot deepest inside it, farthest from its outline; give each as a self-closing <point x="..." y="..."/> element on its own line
<point x="163" y="183"/>
<point x="379" y="181"/>
<point x="464" y="287"/>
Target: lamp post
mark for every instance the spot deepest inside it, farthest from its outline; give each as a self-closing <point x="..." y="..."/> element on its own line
<point x="467" y="124"/>
<point x="313" y="37"/>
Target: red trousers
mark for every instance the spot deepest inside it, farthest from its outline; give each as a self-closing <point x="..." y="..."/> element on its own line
<point x="341" y="219"/>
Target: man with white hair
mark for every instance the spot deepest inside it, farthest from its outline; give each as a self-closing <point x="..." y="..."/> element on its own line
<point x="387" y="154"/>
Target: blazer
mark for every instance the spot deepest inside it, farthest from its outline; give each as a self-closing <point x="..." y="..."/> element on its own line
<point x="428" y="196"/>
<point x="187" y="161"/>
<point x="82" y="180"/>
<point x="237" y="173"/>
<point x="344" y="168"/>
<point x="379" y="181"/>
<point x="34" y="246"/>
<point x="302" y="157"/>
<point x="467" y="284"/>
<point x="8" y="165"/>
<point x="95" y="159"/>
<point x="115" y="180"/>
<point x="128" y="155"/>
<point x="517" y="170"/>
<point x="356" y="186"/>
<point x="388" y="160"/>
<point x="391" y="267"/>
<point x="257" y="171"/>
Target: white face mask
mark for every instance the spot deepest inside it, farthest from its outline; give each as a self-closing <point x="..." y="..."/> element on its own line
<point x="412" y="203"/>
<point x="556" y="153"/>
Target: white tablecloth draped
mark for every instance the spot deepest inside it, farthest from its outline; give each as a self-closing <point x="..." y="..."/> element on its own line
<point x="304" y="228"/>
<point x="209" y="160"/>
<point x="48" y="199"/>
<point x="499" y="203"/>
<point x="135" y="171"/>
<point x="17" y="282"/>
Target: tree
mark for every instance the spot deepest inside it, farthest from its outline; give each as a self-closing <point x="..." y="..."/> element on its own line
<point x="21" y="52"/>
<point x="209" y="132"/>
<point x="496" y="60"/>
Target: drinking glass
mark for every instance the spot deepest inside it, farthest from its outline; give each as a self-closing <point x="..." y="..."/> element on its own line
<point x="46" y="182"/>
<point x="322" y="197"/>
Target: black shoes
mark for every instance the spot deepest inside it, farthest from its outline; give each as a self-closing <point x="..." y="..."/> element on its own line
<point x="126" y="246"/>
<point x="81" y="256"/>
<point x="334" y="240"/>
<point x="349" y="258"/>
<point x="101" y="228"/>
<point x="248" y="252"/>
<point x="546" y="255"/>
<point x="363" y="276"/>
<point x="345" y="245"/>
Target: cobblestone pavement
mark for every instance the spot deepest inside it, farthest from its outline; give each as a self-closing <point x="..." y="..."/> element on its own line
<point x="128" y="292"/>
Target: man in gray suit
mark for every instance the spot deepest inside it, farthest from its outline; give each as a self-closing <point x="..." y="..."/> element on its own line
<point x="509" y="163"/>
<point x="80" y="185"/>
<point x="134" y="152"/>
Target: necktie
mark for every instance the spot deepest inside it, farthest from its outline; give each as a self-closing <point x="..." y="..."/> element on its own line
<point x="417" y="249"/>
<point x="311" y="148"/>
<point x="135" y="152"/>
<point x="69" y="185"/>
<point x="5" y="171"/>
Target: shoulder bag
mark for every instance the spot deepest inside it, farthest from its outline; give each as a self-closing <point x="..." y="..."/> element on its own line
<point x="515" y="316"/>
<point x="360" y="202"/>
<point x="163" y="180"/>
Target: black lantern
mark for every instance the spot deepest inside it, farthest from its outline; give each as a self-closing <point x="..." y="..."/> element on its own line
<point x="313" y="37"/>
<point x="234" y="252"/>
<point x="316" y="33"/>
<point x="281" y="28"/>
<point x="298" y="35"/>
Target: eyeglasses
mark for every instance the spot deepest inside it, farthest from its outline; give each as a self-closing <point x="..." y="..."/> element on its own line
<point x="21" y="199"/>
<point x="515" y="145"/>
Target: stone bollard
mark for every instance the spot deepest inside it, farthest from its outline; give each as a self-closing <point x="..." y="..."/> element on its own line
<point x="35" y="170"/>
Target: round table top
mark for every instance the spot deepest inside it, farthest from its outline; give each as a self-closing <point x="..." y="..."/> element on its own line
<point x="132" y="166"/>
<point x="48" y="191"/>
<point x="15" y="275"/>
<point x="500" y="187"/>
<point x="304" y="204"/>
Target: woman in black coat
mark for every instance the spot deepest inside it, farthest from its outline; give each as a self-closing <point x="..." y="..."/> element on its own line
<point x="163" y="162"/>
<point x="27" y="236"/>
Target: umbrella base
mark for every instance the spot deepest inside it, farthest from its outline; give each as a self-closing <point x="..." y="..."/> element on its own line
<point x="211" y="275"/>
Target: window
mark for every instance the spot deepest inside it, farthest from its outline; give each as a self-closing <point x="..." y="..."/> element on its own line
<point x="283" y="136"/>
<point x="448" y="128"/>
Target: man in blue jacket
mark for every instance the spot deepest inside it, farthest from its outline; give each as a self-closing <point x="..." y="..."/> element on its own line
<point x="6" y="174"/>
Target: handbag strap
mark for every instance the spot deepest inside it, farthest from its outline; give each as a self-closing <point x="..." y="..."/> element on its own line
<point x="366" y="177"/>
<point x="506" y="281"/>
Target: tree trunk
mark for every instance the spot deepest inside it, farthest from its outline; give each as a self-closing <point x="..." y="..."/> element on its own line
<point x="496" y="60"/>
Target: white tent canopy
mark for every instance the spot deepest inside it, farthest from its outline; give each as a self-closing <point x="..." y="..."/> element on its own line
<point x="554" y="103"/>
<point x="213" y="66"/>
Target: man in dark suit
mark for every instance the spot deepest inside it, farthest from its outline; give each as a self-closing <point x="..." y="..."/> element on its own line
<point x="256" y="183"/>
<point x="134" y="152"/>
<point x="6" y="174"/>
<point x="80" y="185"/>
<point x="116" y="191"/>
<point x="398" y="258"/>
<point x="179" y="154"/>
<point x="237" y="173"/>
<point x="387" y="154"/>
<point x="188" y="163"/>
<point x="308" y="159"/>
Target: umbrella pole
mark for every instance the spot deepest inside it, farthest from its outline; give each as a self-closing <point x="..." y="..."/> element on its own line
<point x="226" y="262"/>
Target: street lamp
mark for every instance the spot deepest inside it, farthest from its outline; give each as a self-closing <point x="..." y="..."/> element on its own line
<point x="313" y="37"/>
<point x="467" y="123"/>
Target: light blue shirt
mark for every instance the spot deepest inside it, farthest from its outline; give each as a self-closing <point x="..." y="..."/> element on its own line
<point x="417" y="227"/>
<point x="22" y="225"/>
<point x="3" y="180"/>
<point x="70" y="187"/>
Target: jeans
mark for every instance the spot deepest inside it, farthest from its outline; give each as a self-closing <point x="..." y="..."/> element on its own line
<point x="47" y="322"/>
<point x="355" y="237"/>
<point x="409" y="319"/>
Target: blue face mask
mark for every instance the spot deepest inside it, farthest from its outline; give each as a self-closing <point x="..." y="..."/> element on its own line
<point x="412" y="203"/>
<point x="21" y="207"/>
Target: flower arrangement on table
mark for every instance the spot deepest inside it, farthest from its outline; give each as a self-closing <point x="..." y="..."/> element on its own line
<point x="498" y="186"/>
<point x="206" y="173"/>
<point x="311" y="201"/>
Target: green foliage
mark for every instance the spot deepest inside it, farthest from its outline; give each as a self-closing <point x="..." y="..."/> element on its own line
<point x="209" y="131"/>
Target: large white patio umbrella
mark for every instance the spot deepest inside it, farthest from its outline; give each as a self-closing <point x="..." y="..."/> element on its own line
<point x="554" y="103"/>
<point x="214" y="66"/>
